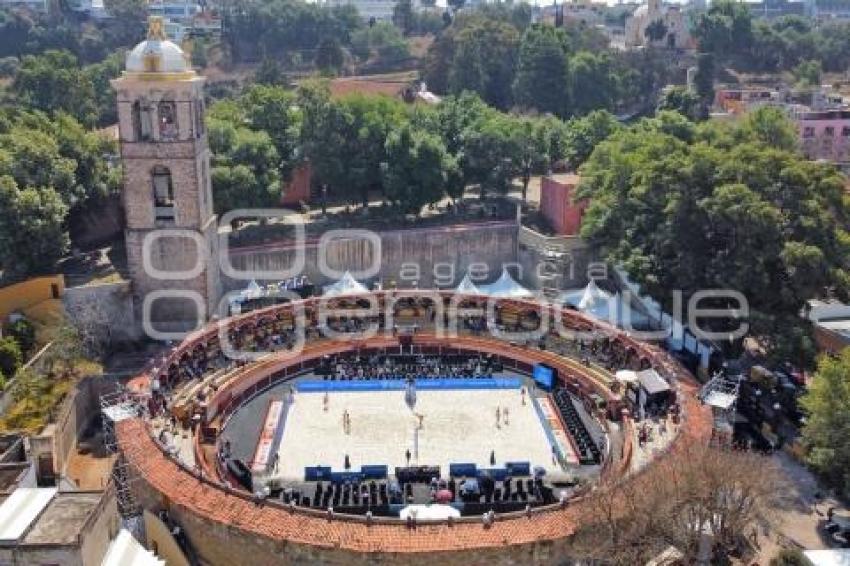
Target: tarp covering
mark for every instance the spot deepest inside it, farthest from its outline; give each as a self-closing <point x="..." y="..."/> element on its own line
<point x="505" y="286"/>
<point x="651" y="382"/>
<point x="124" y="550"/>
<point x="429" y="512"/>
<point x="21" y="509"/>
<point x="467" y="287"/>
<point x="345" y="286"/>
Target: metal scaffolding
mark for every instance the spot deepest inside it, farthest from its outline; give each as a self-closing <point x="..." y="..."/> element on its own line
<point x="721" y="394"/>
<point x="115" y="407"/>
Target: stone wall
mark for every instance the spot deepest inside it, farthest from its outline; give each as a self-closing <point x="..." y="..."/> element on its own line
<point x="105" y="309"/>
<point x="221" y="544"/>
<point x="437" y="252"/>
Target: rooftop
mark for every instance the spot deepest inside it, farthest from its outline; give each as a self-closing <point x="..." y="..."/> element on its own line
<point x="63" y="519"/>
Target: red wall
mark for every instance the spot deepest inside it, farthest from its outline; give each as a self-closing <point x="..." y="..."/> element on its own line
<point x="558" y="204"/>
<point x="298" y="189"/>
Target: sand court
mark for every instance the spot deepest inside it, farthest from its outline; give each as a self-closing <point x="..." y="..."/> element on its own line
<point x="443" y="427"/>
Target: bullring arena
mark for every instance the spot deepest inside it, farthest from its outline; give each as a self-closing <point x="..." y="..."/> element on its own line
<point x="383" y="437"/>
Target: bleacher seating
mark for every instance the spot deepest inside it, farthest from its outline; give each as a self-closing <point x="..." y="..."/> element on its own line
<point x="588" y="450"/>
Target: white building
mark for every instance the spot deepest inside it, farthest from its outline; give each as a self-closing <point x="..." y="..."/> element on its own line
<point x="34" y="5"/>
<point x="675" y="27"/>
<point x="378" y="9"/>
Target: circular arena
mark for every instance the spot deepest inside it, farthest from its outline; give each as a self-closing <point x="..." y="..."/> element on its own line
<point x="397" y="426"/>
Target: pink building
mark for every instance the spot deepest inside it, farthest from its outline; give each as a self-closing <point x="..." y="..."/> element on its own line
<point x="559" y="206"/>
<point x="825" y="135"/>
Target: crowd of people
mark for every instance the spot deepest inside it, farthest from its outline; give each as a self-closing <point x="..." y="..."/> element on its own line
<point x="347" y="367"/>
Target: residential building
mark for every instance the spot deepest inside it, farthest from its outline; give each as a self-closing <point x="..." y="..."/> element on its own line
<point x="368" y="9"/>
<point x="46" y="526"/>
<point x="670" y="18"/>
<point x="34" y="5"/>
<point x="825" y="135"/>
<point x="777" y="8"/>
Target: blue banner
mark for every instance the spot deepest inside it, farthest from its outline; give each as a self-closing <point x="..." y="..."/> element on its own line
<point x="436" y="383"/>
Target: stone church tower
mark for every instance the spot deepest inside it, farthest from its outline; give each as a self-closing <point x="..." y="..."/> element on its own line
<point x="170" y="223"/>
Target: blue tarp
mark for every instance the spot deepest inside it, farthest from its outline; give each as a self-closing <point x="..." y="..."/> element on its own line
<point x="463" y="470"/>
<point x="320" y="386"/>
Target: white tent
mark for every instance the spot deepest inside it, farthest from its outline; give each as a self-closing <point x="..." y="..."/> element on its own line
<point x="348" y="285"/>
<point x="467" y="287"/>
<point x="828" y="557"/>
<point x="434" y="512"/>
<point x="505" y="286"/>
<point x="602" y="305"/>
<point x="124" y="550"/>
<point x="252" y="291"/>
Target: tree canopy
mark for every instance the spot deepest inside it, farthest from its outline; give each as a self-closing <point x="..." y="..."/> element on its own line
<point x="693" y="207"/>
<point x="827" y="403"/>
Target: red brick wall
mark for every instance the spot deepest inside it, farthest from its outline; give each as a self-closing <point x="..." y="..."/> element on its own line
<point x="298" y="189"/>
<point x="559" y="207"/>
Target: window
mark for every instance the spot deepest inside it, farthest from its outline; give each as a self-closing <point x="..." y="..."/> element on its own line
<point x="845" y="132"/>
<point x="163" y="193"/>
<point x="808" y="132"/>
<point x="167" y="121"/>
<point x="199" y="118"/>
<point x="141" y="116"/>
<point x="829" y="132"/>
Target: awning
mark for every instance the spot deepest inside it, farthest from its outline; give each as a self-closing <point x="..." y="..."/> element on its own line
<point x="651" y="382"/>
<point x="345" y="286"/>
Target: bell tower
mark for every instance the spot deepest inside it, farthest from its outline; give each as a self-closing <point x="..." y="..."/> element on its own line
<point x="171" y="227"/>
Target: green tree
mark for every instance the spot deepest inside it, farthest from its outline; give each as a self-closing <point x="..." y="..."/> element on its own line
<point x="403" y="16"/>
<point x="592" y="83"/>
<point x="655" y="31"/>
<point x="128" y="19"/>
<point x="725" y="29"/>
<point x="416" y="169"/>
<point x="585" y="133"/>
<point x="54" y="82"/>
<point x="827" y="402"/>
<point x="808" y="73"/>
<point x="704" y="78"/>
<point x="491" y="155"/>
<point x="329" y="56"/>
<point x="10" y="357"/>
<point x="683" y="101"/>
<point x="541" y="76"/>
<point x="23" y="331"/>
<point x="245" y="170"/>
<point x="686" y="207"/>
<point x="32" y="234"/>
<point x="789" y="557"/>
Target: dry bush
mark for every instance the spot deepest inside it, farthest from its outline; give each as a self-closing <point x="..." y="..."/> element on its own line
<point x="692" y="491"/>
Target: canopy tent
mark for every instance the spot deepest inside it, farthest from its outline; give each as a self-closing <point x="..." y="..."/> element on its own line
<point x="467" y="287"/>
<point x="348" y="285"/>
<point x="124" y="550"/>
<point x="429" y="512"/>
<point x="506" y="287"/>
<point x="252" y="291"/>
<point x="602" y="305"/>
